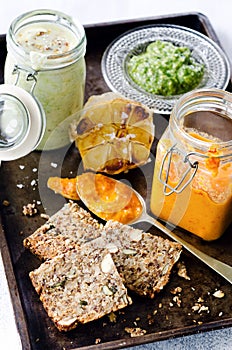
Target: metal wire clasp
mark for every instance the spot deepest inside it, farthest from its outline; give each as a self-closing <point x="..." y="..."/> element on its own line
<point x="181" y="185"/>
<point x="31" y="76"/>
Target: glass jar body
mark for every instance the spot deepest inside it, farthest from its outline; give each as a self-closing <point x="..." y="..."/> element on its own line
<point x="59" y="78"/>
<point x="192" y="181"/>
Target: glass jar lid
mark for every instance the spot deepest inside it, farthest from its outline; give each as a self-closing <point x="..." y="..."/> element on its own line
<point x="22" y="122"/>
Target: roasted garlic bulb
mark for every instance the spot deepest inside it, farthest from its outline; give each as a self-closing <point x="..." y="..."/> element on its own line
<point x="113" y="134"/>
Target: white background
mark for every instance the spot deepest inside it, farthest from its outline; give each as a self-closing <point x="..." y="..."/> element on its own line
<point x="219" y="13"/>
<point x="90" y="11"/>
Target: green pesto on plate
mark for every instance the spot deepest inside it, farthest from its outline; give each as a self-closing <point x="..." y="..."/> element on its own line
<point x="165" y="69"/>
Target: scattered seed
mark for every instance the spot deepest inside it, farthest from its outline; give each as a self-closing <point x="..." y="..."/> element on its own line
<point x="44" y="216"/>
<point x="20" y="185"/>
<point x="6" y="203"/>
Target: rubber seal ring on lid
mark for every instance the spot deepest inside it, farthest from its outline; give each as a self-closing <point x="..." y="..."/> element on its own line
<point x="29" y="121"/>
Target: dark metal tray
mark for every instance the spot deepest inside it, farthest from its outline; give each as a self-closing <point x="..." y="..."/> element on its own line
<point x="161" y="318"/>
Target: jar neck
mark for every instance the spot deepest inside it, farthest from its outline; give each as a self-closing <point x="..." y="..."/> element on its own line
<point x="199" y="120"/>
<point x="43" y="60"/>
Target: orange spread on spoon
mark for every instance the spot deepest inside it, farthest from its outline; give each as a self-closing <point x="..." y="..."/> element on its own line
<point x="108" y="198"/>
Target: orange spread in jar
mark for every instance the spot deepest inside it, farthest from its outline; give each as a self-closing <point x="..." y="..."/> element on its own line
<point x="204" y="207"/>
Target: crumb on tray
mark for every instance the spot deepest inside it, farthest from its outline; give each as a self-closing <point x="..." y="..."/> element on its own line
<point x="29" y="209"/>
<point x="182" y="271"/>
<point x="44" y="216"/>
<point x="135" y="331"/>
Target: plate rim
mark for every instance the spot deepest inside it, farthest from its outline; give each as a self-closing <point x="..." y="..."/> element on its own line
<point x="169" y="101"/>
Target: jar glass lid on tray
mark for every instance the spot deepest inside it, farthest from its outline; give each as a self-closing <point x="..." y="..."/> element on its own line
<point x="22" y="122"/>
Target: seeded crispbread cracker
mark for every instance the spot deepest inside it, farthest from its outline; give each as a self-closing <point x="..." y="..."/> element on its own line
<point x="70" y="226"/>
<point x="143" y="260"/>
<point x="79" y="286"/>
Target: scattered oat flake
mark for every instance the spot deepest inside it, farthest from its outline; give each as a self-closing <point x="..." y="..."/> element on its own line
<point x="203" y="308"/>
<point x="219" y="294"/>
<point x="136" y="331"/>
<point x="34" y="170"/>
<point x="199" y="308"/>
<point x="29" y="209"/>
<point x="54" y="165"/>
<point x="21" y="167"/>
<point x="195" y="307"/>
<point x="6" y="203"/>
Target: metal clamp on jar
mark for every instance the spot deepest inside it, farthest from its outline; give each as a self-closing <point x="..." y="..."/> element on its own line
<point x="192" y="183"/>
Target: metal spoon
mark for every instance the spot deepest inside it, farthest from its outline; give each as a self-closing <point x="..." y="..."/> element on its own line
<point x="221" y="268"/>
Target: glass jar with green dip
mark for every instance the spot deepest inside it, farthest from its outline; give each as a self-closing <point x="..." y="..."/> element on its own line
<point x="46" y="58"/>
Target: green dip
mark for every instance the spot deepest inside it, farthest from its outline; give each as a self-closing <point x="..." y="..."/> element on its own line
<point x="165" y="69"/>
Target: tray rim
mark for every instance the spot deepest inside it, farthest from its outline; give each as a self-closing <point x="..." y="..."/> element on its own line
<point x="202" y="17"/>
<point x="19" y="314"/>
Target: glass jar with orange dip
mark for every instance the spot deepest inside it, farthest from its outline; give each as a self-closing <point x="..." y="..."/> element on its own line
<point x="192" y="182"/>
